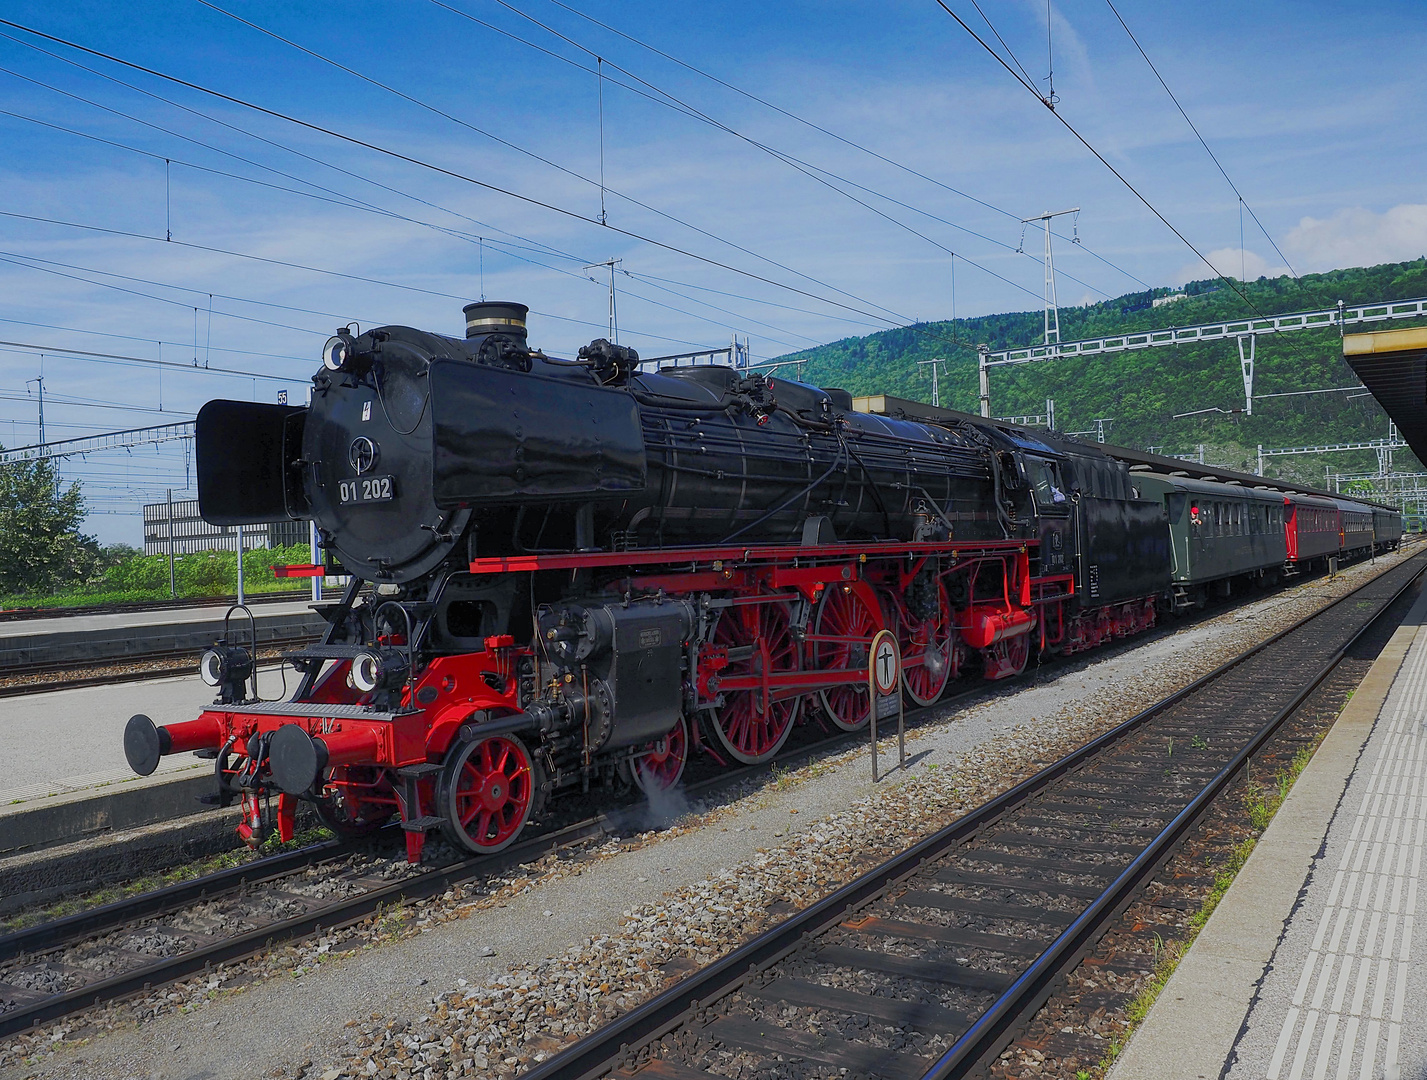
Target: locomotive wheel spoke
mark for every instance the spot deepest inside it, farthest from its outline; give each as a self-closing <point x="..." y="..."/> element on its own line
<point x="661" y="764"/>
<point x="1007" y="658"/>
<point x="487" y="792"/>
<point x="749" y="726"/>
<point x="926" y="646"/>
<point x="843" y="631"/>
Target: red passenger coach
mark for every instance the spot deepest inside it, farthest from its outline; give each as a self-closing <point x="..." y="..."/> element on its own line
<point x="1313" y="528"/>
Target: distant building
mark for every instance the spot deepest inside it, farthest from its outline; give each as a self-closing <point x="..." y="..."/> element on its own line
<point x="1160" y="301"/>
<point x="191" y="533"/>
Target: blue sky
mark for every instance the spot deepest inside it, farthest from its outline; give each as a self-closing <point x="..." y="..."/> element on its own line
<point x="1312" y="109"/>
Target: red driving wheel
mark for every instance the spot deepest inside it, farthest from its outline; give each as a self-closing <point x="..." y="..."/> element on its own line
<point x="926" y="645"/>
<point x="487" y="791"/>
<point x="660" y="764"/>
<point x="842" y="631"/>
<point x="760" y="639"/>
<point x="1007" y="658"/>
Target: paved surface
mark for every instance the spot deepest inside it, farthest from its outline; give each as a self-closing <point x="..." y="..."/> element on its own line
<point x="73" y="739"/>
<point x="68" y="624"/>
<point x="1311" y="965"/>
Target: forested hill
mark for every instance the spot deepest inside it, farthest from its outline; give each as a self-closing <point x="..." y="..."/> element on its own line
<point x="1142" y="390"/>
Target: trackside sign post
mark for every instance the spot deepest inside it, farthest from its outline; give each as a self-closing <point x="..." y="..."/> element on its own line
<point x="884" y="690"/>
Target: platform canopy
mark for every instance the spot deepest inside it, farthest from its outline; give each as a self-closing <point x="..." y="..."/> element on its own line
<point x="1393" y="365"/>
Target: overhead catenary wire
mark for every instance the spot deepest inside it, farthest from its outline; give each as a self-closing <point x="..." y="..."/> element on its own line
<point x="1243" y="203"/>
<point x="484" y="185"/>
<point x="1235" y="286"/>
<point x="603" y="188"/>
<point x="340" y="200"/>
<point x="303" y="267"/>
<point x="816" y="173"/>
<point x="812" y="125"/>
<point x="321" y="162"/>
<point x="37" y="349"/>
<point x="1230" y="282"/>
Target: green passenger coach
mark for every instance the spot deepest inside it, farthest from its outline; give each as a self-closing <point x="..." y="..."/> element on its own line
<point x="1218" y="532"/>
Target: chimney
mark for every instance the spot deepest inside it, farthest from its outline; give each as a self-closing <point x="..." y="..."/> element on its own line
<point x="495" y="317"/>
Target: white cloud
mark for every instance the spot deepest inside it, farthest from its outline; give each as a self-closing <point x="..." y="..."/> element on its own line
<point x="1229" y="261"/>
<point x="1355" y="236"/>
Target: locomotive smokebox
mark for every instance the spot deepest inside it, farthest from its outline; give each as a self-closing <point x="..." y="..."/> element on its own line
<point x="495" y="317"/>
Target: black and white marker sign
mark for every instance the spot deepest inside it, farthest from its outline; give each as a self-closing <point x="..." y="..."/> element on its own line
<point x="884" y="686"/>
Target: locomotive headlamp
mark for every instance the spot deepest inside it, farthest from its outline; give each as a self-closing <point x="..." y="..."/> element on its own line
<point x="366" y="672"/>
<point x="384" y="669"/>
<point x="225" y="664"/>
<point x="336" y="352"/>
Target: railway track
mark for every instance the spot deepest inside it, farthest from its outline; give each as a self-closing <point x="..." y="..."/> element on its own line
<point x="928" y="965"/>
<point x="61" y="967"/>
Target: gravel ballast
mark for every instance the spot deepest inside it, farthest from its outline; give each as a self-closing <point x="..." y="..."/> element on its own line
<point x="491" y="977"/>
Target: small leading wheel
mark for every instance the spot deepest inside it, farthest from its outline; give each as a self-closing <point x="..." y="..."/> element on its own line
<point x="759" y="638"/>
<point x="842" y="631"/>
<point x="486" y="794"/>
<point x="926" y="645"/>
<point x="660" y="764"/>
<point x="1007" y="658"/>
<point x="357" y="801"/>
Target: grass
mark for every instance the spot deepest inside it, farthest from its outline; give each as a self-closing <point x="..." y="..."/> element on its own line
<point x="1261" y="802"/>
<point x="148" y="883"/>
<point x="89" y="598"/>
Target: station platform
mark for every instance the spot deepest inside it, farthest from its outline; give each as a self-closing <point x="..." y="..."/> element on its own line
<point x="160" y="616"/>
<point x="1312" y="964"/>
<point x="111" y="636"/>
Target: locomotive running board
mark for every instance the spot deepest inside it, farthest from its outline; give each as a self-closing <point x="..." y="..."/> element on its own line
<point x="315" y="709"/>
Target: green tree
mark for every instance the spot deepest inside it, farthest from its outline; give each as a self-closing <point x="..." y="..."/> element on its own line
<point x="41" y="547"/>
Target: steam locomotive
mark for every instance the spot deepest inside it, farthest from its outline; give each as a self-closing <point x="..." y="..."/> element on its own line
<point x="569" y="574"/>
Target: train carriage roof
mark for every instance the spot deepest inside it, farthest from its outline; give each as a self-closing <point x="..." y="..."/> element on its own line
<point x="1139" y="461"/>
<point x="1328" y="502"/>
<point x="1352" y="506"/>
<point x="1209" y="487"/>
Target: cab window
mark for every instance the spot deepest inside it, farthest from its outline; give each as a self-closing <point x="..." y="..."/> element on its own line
<point x="1045" y="479"/>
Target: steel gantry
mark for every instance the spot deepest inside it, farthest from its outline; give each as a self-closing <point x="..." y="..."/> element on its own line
<point x="1382" y="447"/>
<point x="734" y="354"/>
<point x="1244" y="331"/>
<point x="93" y="444"/>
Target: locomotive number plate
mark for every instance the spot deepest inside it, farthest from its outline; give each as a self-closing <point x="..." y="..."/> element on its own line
<point x="366" y="489"/>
